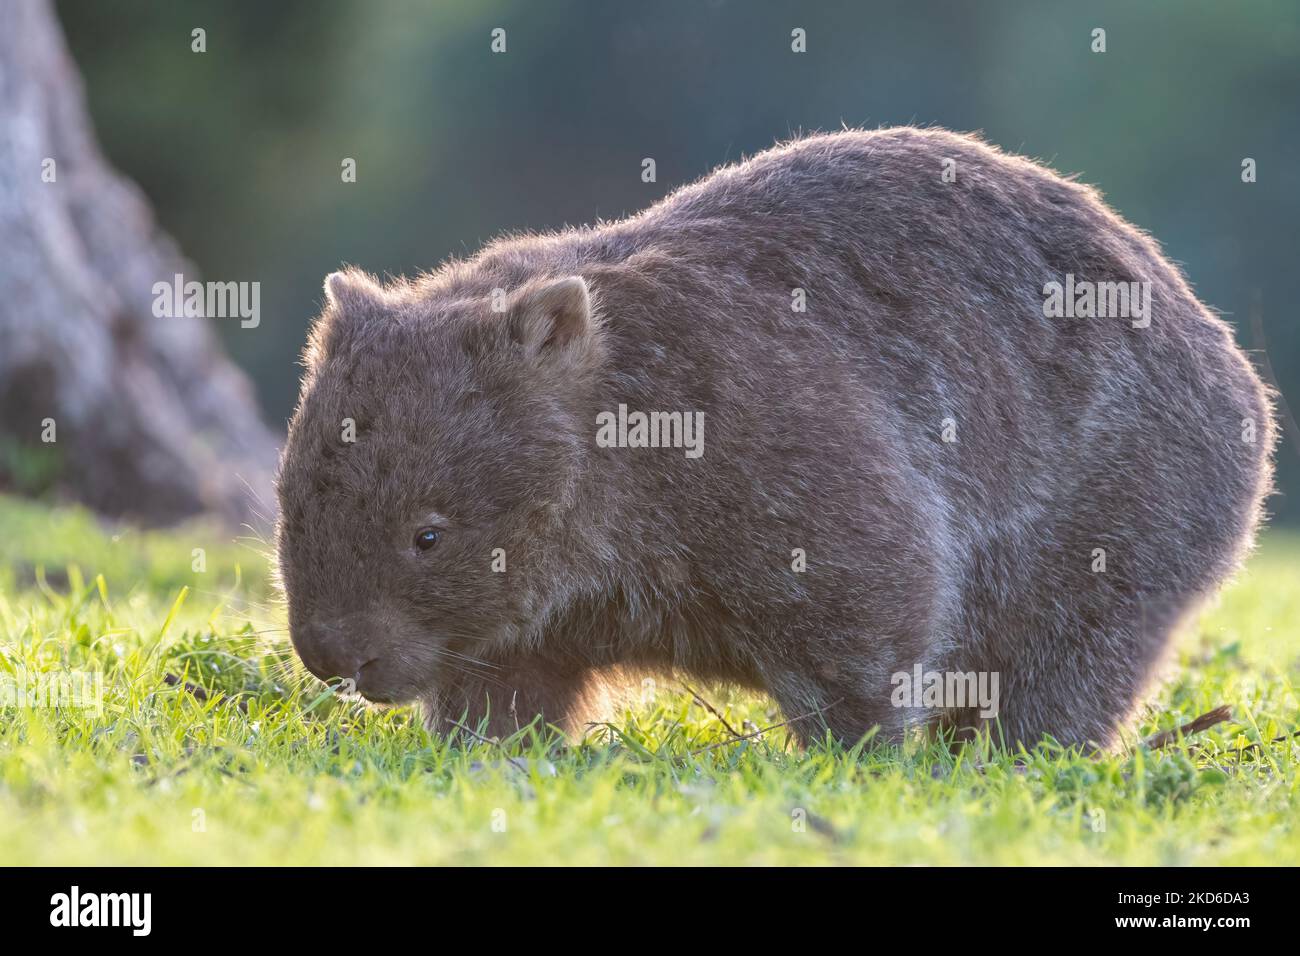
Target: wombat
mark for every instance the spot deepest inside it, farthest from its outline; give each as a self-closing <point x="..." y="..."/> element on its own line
<point x="866" y="407"/>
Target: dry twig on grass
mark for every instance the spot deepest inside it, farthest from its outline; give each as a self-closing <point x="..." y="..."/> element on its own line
<point x="759" y="733"/>
<point x="1203" y="722"/>
<point x="491" y="742"/>
<point x="711" y="709"/>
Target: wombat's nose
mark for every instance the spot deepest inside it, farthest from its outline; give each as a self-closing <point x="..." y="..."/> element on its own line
<point x="324" y="651"/>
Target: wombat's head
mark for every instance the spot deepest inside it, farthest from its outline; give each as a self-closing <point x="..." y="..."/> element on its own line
<point x="428" y="472"/>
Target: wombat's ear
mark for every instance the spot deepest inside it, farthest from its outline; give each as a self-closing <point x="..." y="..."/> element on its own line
<point x="352" y="300"/>
<point x="352" y="289"/>
<point x="551" y="314"/>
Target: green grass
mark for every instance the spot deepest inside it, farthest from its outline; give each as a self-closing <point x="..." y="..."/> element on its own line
<point x="269" y="770"/>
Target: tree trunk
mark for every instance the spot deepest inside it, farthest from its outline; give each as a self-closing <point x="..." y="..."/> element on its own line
<point x="149" y="419"/>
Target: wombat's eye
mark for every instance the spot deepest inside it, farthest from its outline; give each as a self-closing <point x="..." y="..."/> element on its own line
<point x="426" y="538"/>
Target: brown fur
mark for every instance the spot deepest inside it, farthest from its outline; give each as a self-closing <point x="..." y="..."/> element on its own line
<point x="822" y="433"/>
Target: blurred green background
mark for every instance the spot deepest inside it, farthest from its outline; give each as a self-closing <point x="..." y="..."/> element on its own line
<point x="240" y="148"/>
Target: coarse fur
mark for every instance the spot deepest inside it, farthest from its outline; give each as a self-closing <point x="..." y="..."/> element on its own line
<point x="973" y="486"/>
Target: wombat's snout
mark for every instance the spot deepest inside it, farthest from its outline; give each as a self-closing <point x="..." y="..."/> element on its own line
<point x="325" y="652"/>
<point x="337" y="651"/>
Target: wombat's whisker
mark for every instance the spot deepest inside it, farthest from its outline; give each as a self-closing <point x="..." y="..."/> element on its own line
<point x="447" y="652"/>
<point x="234" y="601"/>
<point x="479" y="670"/>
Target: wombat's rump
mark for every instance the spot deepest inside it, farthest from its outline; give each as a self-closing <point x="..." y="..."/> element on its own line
<point x="921" y="467"/>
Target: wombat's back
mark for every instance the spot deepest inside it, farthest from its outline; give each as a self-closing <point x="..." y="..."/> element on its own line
<point x="937" y="289"/>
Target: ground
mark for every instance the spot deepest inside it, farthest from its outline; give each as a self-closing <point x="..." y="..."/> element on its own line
<point x="212" y="746"/>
